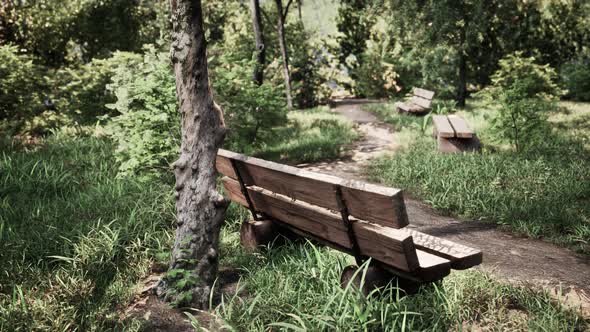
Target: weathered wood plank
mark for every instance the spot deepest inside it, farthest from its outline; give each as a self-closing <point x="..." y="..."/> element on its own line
<point x="421" y="102"/>
<point x="370" y="202"/>
<point x="385" y="244"/>
<point x="460" y="256"/>
<point x="423" y="93"/>
<point x="442" y="126"/>
<point x="381" y="243"/>
<point x="460" y="126"/>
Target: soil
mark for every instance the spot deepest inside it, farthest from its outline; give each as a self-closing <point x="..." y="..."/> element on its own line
<point x="509" y="257"/>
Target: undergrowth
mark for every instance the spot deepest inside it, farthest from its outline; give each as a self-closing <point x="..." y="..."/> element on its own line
<point x="294" y="287"/>
<point x="74" y="241"/>
<point x="540" y="193"/>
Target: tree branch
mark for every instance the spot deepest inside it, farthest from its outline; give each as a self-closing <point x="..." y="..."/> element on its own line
<point x="286" y="10"/>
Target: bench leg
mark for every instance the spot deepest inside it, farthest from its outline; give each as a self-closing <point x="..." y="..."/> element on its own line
<point x="257" y="233"/>
<point x="452" y="145"/>
<point x="376" y="278"/>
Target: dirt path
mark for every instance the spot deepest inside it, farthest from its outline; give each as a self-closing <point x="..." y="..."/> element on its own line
<point x="514" y="258"/>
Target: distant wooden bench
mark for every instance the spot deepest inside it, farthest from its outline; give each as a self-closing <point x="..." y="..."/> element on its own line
<point x="453" y="134"/>
<point x="419" y="104"/>
<point x="358" y="218"/>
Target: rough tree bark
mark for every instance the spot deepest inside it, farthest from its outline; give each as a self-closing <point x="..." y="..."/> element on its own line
<point x="200" y="208"/>
<point x="281" y="29"/>
<point x="462" y="81"/>
<point x="258" y="76"/>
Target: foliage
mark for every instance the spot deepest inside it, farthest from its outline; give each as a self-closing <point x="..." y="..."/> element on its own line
<point x="75" y="241"/>
<point x="22" y="89"/>
<point x="58" y="32"/>
<point x="251" y="112"/>
<point x="576" y="77"/>
<point x="525" y="92"/>
<point x="354" y="24"/>
<point x="539" y="193"/>
<point x="147" y="127"/>
<point x="436" y="42"/>
<point x="81" y="90"/>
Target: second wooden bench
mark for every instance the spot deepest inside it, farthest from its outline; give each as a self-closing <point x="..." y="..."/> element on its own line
<point x="453" y="134"/>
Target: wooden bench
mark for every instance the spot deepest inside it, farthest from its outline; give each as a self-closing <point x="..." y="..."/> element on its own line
<point x="419" y="104"/>
<point x="453" y="134"/>
<point x="358" y="218"/>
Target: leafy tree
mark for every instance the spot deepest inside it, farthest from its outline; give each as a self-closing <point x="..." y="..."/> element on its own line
<point x="526" y="92"/>
<point x="354" y="23"/>
<point x="470" y="36"/>
<point x="22" y="87"/>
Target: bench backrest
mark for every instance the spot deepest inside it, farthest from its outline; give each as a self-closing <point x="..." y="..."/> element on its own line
<point x="422" y="97"/>
<point x="309" y="202"/>
<point x="373" y="203"/>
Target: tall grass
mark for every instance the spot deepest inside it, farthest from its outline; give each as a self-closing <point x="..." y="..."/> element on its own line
<point x="544" y="193"/>
<point x="295" y="287"/>
<point x="310" y="135"/>
<point x="74" y="240"/>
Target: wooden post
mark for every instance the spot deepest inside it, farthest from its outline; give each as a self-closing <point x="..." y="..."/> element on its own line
<point x="257" y="233"/>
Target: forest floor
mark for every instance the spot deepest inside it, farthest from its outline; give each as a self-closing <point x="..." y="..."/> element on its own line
<point x="517" y="259"/>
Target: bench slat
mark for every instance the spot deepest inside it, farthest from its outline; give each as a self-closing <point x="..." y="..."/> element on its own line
<point x="426" y="94"/>
<point x="421" y="102"/>
<point x="370" y="202"/>
<point x="442" y="126"/>
<point x="381" y="243"/>
<point x="461" y="257"/>
<point x="460" y="126"/>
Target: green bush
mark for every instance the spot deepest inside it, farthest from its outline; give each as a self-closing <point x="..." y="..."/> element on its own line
<point x="22" y="87"/>
<point x="70" y="31"/>
<point x="251" y="112"/>
<point x="576" y="79"/>
<point x="81" y="90"/>
<point x="526" y="92"/>
<point x="147" y="127"/>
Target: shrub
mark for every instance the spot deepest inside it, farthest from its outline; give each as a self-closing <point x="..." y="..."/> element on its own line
<point x="81" y="90"/>
<point x="250" y="111"/>
<point x="22" y="86"/>
<point x="146" y="128"/>
<point x="526" y="92"/>
<point x="576" y="79"/>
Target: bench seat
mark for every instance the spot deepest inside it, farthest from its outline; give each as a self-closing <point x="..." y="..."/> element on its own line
<point x="453" y="134"/>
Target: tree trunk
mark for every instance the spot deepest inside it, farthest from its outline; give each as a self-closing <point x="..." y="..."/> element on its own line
<point x="462" y="82"/>
<point x="299" y="7"/>
<point x="284" y="54"/>
<point x="258" y="76"/>
<point x="200" y="208"/>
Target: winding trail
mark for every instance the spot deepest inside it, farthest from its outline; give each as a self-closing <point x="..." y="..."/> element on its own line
<point x="517" y="259"/>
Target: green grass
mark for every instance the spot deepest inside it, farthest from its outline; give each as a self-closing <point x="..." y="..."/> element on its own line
<point x="74" y="241"/>
<point x="544" y="193"/>
<point x="294" y="287"/>
<point x="311" y="135"/>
